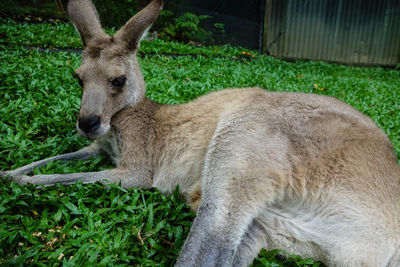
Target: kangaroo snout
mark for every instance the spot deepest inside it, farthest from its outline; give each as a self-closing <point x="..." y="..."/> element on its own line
<point x="89" y="124"/>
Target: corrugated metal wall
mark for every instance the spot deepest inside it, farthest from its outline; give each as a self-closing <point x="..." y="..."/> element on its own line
<point x="361" y="32"/>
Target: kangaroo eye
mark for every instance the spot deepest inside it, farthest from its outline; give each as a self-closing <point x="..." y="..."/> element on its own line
<point x="119" y="82"/>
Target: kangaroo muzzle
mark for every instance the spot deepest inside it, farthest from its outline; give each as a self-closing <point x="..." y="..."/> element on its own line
<point x="90" y="124"/>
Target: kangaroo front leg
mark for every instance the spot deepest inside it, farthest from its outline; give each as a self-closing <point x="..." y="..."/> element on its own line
<point x="128" y="178"/>
<point x="84" y="153"/>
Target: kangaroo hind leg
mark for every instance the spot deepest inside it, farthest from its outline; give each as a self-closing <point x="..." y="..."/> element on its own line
<point x="237" y="186"/>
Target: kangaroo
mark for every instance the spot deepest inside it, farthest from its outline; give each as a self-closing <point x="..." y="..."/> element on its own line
<point x="303" y="173"/>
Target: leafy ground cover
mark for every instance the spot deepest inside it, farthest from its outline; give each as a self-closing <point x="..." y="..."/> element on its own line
<point x="54" y="35"/>
<point x="97" y="225"/>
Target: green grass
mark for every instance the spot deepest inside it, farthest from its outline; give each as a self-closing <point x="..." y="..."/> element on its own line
<point x="95" y="225"/>
<point x="54" y="35"/>
<point x="91" y="225"/>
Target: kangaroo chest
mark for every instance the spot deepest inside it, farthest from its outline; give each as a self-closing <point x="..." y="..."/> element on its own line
<point x="170" y="147"/>
<point x="178" y="166"/>
<point x="110" y="146"/>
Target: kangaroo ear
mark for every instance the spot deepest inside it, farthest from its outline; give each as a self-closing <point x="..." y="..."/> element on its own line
<point x="84" y="16"/>
<point x="132" y="32"/>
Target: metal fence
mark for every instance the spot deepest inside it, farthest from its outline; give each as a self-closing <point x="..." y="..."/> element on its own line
<point x="360" y="32"/>
<point x="357" y="32"/>
<point x="243" y="20"/>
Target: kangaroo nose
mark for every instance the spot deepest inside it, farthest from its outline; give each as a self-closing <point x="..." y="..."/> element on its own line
<point x="89" y="124"/>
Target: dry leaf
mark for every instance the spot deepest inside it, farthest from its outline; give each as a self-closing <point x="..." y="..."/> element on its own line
<point x="61" y="256"/>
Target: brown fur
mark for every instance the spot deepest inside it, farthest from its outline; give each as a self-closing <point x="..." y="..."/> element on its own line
<point x="303" y="173"/>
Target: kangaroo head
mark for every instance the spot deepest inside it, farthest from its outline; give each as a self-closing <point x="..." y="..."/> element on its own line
<point x="110" y="76"/>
